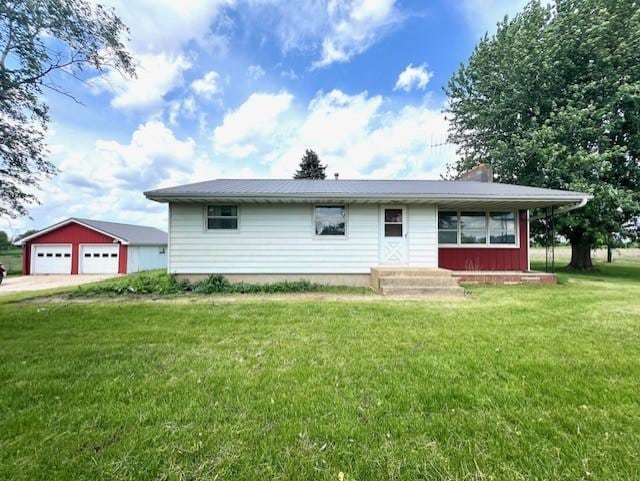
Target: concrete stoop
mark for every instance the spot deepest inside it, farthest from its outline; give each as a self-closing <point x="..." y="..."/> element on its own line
<point x="399" y="281"/>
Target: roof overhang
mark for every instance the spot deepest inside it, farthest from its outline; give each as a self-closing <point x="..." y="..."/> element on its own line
<point x="444" y="201"/>
<point x="67" y="222"/>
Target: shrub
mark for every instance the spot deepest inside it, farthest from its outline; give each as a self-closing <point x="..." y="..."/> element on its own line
<point x="212" y="284"/>
<point x="152" y="282"/>
<point x="161" y="283"/>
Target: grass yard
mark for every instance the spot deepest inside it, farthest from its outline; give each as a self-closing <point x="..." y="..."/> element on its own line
<point x="514" y="383"/>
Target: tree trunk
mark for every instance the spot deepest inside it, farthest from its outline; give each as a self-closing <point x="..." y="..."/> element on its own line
<point x="609" y="254"/>
<point x="580" y="256"/>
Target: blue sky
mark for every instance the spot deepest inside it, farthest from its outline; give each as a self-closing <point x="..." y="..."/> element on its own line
<point x="239" y="88"/>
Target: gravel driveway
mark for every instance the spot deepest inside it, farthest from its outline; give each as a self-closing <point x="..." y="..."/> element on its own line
<point x="15" y="284"/>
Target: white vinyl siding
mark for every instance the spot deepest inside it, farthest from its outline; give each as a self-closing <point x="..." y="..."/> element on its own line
<point x="423" y="236"/>
<point x="280" y="239"/>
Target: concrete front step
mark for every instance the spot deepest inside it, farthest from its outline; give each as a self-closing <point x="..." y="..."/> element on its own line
<point x="411" y="272"/>
<point x="418" y="281"/>
<point x="423" y="291"/>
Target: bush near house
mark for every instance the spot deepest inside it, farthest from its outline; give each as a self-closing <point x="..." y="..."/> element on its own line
<point x="161" y="283"/>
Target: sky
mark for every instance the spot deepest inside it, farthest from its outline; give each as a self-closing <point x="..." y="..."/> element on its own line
<point x="240" y="88"/>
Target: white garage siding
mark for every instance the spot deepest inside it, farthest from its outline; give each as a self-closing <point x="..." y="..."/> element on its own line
<point x="144" y="258"/>
<point x="279" y="239"/>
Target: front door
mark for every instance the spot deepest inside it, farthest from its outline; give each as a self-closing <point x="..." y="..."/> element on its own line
<point x="393" y="242"/>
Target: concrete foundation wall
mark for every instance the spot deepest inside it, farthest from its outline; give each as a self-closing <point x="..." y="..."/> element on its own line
<point x="356" y="280"/>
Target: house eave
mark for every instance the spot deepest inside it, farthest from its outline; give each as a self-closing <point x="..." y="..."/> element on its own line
<point x="456" y="201"/>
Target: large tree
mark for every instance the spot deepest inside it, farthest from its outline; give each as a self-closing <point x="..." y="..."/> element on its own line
<point x="553" y="100"/>
<point x="42" y="41"/>
<point x="310" y="167"/>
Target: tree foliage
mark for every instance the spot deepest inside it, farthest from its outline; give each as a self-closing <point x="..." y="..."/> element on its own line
<point x="40" y="42"/>
<point x="553" y="100"/>
<point x="310" y="167"/>
<point x="5" y="243"/>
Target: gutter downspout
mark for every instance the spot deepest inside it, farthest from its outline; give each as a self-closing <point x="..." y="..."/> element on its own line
<point x="564" y="208"/>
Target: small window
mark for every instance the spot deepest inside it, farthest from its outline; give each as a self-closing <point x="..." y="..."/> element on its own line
<point x="105" y="254"/>
<point x="502" y="228"/>
<point x="96" y="254"/>
<point x="87" y="254"/>
<point x="49" y="254"/>
<point x="40" y="254"/>
<point x="163" y="250"/>
<point x="58" y="254"/>
<point x="113" y="254"/>
<point x="393" y="223"/>
<point x="447" y="227"/>
<point x="330" y="220"/>
<point x="222" y="217"/>
<point x="473" y="228"/>
<point x="67" y="254"/>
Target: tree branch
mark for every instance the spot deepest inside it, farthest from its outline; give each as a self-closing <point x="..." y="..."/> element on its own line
<point x="5" y="52"/>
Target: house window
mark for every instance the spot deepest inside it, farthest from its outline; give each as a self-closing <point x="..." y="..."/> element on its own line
<point x="448" y="227"/>
<point x="163" y="250"/>
<point x="393" y="222"/>
<point x="473" y="228"/>
<point x="477" y="228"/>
<point x="330" y="220"/>
<point x="222" y="217"/>
<point x="502" y="228"/>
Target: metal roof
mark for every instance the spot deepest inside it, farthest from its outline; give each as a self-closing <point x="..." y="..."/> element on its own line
<point x="126" y="233"/>
<point x="420" y="190"/>
<point x="133" y="234"/>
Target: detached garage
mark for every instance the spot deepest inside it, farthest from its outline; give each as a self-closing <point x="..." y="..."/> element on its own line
<point x="84" y="246"/>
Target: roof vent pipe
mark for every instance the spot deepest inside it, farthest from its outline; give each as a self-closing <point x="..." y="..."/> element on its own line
<point x="336" y="175"/>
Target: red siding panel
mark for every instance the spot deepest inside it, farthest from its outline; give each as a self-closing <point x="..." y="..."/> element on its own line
<point x="488" y="259"/>
<point x="122" y="259"/>
<point x="74" y="234"/>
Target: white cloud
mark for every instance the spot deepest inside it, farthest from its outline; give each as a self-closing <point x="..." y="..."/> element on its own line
<point x="208" y="85"/>
<point x="483" y="15"/>
<point x="157" y="75"/>
<point x="104" y="179"/>
<point x="413" y="77"/>
<point x="336" y="29"/>
<point x="356" y="135"/>
<point x="253" y="122"/>
<point x="354" y="26"/>
<point x="255" y="72"/>
<point x="167" y="25"/>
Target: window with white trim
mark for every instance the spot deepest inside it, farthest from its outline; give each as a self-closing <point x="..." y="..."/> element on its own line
<point x="330" y="220"/>
<point x="473" y="227"/>
<point x="502" y="228"/>
<point x="480" y="228"/>
<point x="222" y="217"/>
<point x="448" y="227"/>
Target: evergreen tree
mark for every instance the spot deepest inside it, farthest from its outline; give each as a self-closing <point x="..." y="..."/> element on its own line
<point x="310" y="167"/>
<point x="553" y="100"/>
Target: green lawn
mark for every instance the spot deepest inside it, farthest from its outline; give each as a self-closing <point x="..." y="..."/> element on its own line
<point x="513" y="383"/>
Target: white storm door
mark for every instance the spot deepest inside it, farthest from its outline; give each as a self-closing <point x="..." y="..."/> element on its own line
<point x="393" y="235"/>
<point x="51" y="259"/>
<point x="99" y="258"/>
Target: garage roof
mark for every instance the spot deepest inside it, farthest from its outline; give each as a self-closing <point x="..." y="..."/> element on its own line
<point x="126" y="233"/>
